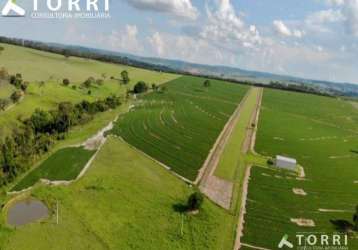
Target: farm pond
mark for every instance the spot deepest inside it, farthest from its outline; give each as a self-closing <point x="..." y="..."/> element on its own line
<point x="26" y="211"/>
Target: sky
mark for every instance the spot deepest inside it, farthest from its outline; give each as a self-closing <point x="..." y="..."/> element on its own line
<point x="316" y="39"/>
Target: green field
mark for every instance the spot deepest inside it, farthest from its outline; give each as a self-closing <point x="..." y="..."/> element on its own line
<point x="63" y="165"/>
<point x="320" y="133"/>
<point x="36" y="66"/>
<point x="180" y="126"/>
<point x="125" y="201"/>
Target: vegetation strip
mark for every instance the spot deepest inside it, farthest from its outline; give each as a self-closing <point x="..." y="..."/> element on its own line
<point x="219" y="189"/>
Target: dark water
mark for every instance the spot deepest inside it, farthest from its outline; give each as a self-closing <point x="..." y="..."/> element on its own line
<point x="26" y="211"/>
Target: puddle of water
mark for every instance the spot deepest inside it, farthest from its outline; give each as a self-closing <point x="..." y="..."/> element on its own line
<point x="26" y="211"/>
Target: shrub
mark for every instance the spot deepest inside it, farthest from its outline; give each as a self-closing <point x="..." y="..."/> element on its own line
<point x="3" y="103"/>
<point x="74" y="87"/>
<point x="99" y="82"/>
<point x="195" y="201"/>
<point x="88" y="83"/>
<point x="140" y="87"/>
<point x="66" y="82"/>
<point x="270" y="162"/>
<point x="15" y="97"/>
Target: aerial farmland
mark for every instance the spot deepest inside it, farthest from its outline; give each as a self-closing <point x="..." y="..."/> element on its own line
<point x="115" y="154"/>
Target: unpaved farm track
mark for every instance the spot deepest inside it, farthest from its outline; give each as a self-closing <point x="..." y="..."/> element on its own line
<point x="217" y="189"/>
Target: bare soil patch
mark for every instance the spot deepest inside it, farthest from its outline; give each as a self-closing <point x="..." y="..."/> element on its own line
<point x="303" y="222"/>
<point x="299" y="191"/>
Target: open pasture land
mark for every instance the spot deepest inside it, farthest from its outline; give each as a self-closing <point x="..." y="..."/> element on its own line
<point x="125" y="201"/>
<point x="63" y="165"/>
<point x="180" y="126"/>
<point x="322" y="134"/>
<point x="37" y="66"/>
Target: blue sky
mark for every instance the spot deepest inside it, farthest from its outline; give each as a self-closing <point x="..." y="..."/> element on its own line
<point x="307" y="38"/>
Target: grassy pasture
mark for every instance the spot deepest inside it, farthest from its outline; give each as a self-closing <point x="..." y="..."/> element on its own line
<point x="36" y="66"/>
<point x="320" y="132"/>
<point x="180" y="126"/>
<point x="63" y="165"/>
<point x="125" y="201"/>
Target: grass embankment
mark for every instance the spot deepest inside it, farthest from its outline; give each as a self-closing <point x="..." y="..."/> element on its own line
<point x="320" y="133"/>
<point x="37" y="66"/>
<point x="233" y="157"/>
<point x="125" y="201"/>
<point x="63" y="165"/>
<point x="180" y="126"/>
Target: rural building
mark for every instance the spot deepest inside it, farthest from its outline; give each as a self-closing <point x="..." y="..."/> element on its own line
<point x="286" y="162"/>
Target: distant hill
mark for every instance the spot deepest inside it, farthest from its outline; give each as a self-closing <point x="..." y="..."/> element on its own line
<point x="348" y="89"/>
<point x="335" y="88"/>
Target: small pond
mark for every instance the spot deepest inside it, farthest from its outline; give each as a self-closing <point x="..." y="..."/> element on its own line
<point x="26" y="211"/>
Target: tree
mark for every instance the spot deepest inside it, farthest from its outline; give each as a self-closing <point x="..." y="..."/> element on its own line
<point x="355" y="219"/>
<point x="88" y="83"/>
<point x="3" y="103"/>
<point x="8" y="155"/>
<point x="140" y="87"/>
<point x="195" y="201"/>
<point x="24" y="86"/>
<point x="16" y="96"/>
<point x="99" y="82"/>
<point x="66" y="82"/>
<point x="154" y="87"/>
<point x="41" y="121"/>
<point x="207" y="83"/>
<point x="125" y="77"/>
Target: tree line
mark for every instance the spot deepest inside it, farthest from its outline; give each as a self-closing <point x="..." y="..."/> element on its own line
<point x="38" y="133"/>
<point x="15" y="80"/>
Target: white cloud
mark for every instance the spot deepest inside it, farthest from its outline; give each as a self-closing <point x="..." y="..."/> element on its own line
<point x="157" y="43"/>
<point x="124" y="40"/>
<point x="350" y="11"/>
<point x="335" y="2"/>
<point x="282" y="29"/>
<point x="325" y="16"/>
<point x="225" y="27"/>
<point x="181" y="8"/>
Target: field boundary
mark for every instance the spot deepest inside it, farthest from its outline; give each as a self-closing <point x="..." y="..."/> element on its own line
<point x="156" y="161"/>
<point x="241" y="222"/>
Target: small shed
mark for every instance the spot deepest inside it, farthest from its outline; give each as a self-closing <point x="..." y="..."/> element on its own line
<point x="286" y="162"/>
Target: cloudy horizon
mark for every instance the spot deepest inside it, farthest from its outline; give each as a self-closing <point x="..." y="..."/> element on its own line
<point x="315" y="39"/>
